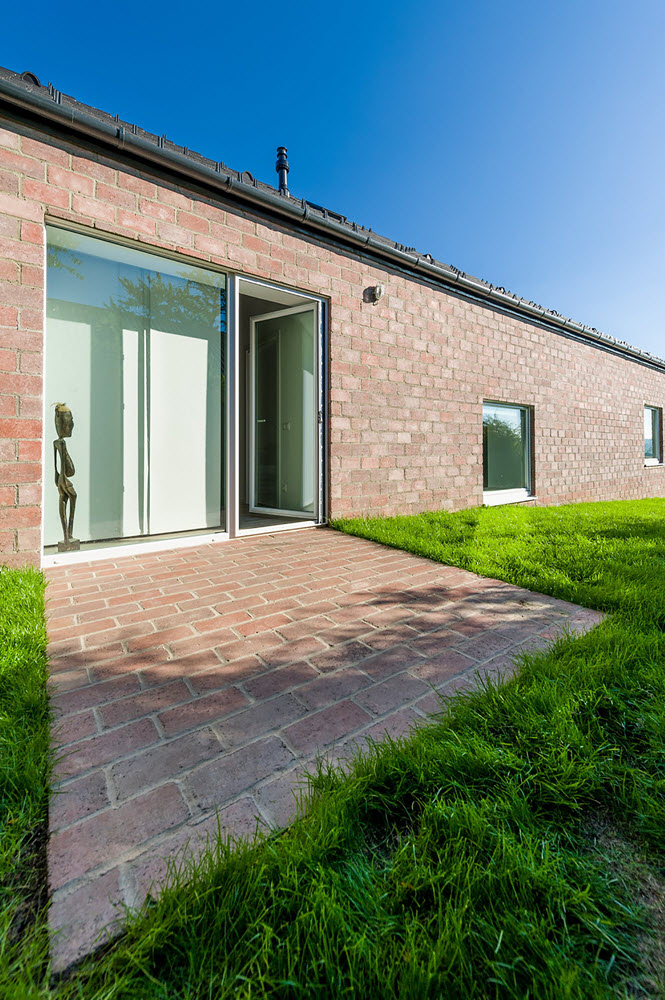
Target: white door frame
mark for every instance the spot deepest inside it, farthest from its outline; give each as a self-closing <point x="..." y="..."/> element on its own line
<point x="311" y="306"/>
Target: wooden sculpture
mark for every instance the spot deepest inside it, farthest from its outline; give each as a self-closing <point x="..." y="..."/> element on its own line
<point x="64" y="468"/>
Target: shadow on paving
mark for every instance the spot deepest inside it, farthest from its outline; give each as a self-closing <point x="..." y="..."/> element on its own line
<point x="195" y="690"/>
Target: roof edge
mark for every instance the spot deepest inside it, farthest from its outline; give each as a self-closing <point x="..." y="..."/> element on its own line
<point x="46" y="103"/>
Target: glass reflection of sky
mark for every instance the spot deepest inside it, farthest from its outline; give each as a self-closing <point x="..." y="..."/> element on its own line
<point x="511" y="416"/>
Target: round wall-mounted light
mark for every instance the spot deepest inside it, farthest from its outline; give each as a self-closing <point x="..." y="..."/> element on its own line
<point x="373" y="293"/>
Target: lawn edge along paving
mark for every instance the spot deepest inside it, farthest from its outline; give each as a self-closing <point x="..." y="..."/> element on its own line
<point x="576" y="735"/>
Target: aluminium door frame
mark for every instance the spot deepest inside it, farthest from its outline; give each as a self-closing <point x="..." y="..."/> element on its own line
<point x="313" y="305"/>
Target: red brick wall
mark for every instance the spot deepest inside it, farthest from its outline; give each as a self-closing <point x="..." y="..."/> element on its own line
<point x="407" y="376"/>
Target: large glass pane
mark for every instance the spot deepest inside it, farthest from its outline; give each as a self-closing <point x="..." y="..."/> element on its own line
<point x="505" y="447"/>
<point x="652" y="433"/>
<point x="135" y="348"/>
<point x="284" y="412"/>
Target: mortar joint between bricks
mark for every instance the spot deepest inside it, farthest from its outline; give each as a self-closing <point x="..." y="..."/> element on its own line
<point x="190" y="687"/>
<point x="80" y="882"/>
<point x="262" y="814"/>
<point x="296" y="753"/>
<point x="128" y="887"/>
<point x="294" y="694"/>
<point x="161" y="731"/>
<point x="111" y="789"/>
<point x="193" y="807"/>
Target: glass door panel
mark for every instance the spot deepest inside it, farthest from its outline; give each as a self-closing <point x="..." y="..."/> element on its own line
<point x="135" y="347"/>
<point x="283" y="463"/>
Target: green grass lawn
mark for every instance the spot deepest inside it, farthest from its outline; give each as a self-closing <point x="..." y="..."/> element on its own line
<point x="513" y="849"/>
<point x="24" y="781"/>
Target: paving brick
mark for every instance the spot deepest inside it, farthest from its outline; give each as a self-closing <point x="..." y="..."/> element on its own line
<point x="322" y="595"/>
<point x="235" y="773"/>
<point x="382" y="616"/>
<point x="202" y="643"/>
<point x="484" y="645"/>
<point x="141" y="663"/>
<point x="397" y="725"/>
<point x="473" y="625"/>
<point x="463" y="683"/>
<point x="67" y="680"/>
<point x="259" y="720"/>
<point x="581" y="623"/>
<point x="346" y="631"/>
<point x="108" y="746"/>
<point x="386" y="638"/>
<point x="150" y="871"/>
<point x="123" y="634"/>
<point x="392" y="661"/>
<point x="284" y="798"/>
<point x="320" y="729"/>
<point x="333" y="687"/>
<point x="61" y="626"/>
<point x="433" y="620"/>
<point x="87" y="657"/>
<point x="224" y="674"/>
<point x="290" y="652"/>
<point x="279" y="680"/>
<point x="169" y="635"/>
<point x="435" y="642"/>
<point x="74" y="727"/>
<point x="79" y="920"/>
<point x="499" y="667"/>
<point x="153" y="700"/>
<point x="78" y="799"/>
<point x="305" y="627"/>
<point x="95" y="694"/>
<point x="326" y="608"/>
<point x="111" y="834"/>
<point x="516" y="631"/>
<point x="223" y="621"/>
<point x="345" y="655"/>
<point x="163" y="762"/>
<point x="355" y="597"/>
<point x="206" y="709"/>
<point x="390" y="694"/>
<point x="264" y="624"/>
<point x="261" y="643"/>
<point x="432" y="703"/>
<point x="441" y="668"/>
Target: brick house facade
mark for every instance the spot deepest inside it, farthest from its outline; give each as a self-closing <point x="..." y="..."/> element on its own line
<point x="403" y="378"/>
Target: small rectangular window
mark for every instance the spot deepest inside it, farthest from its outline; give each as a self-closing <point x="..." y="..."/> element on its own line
<point x="506" y="453"/>
<point x="652" y="436"/>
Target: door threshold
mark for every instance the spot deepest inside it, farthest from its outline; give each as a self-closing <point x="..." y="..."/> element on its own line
<point x="132" y="549"/>
<point x="263" y="530"/>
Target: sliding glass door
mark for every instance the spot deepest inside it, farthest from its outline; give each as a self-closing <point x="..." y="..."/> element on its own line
<point x="135" y="348"/>
<point x="135" y="354"/>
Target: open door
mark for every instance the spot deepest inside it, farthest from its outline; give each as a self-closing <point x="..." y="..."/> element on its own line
<point x="283" y="462"/>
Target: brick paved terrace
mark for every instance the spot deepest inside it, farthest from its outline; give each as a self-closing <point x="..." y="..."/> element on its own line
<point x="202" y="682"/>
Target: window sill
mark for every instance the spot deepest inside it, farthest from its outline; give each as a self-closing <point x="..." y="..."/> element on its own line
<point x="652" y="463"/>
<point x="492" y="498"/>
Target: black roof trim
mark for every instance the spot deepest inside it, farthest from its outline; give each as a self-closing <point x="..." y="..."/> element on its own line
<point x="23" y="93"/>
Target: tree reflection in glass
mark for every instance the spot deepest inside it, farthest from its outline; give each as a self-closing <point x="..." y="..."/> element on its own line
<point x="135" y="344"/>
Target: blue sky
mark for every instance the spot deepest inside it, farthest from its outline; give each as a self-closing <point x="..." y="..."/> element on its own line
<point x="523" y="142"/>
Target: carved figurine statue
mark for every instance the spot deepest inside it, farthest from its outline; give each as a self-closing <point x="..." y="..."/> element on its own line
<point x="64" y="467"/>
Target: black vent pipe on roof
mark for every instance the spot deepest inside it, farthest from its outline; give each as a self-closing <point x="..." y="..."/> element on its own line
<point x="282" y="168"/>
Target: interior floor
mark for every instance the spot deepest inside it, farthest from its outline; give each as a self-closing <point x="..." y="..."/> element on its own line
<point x="247" y="519"/>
